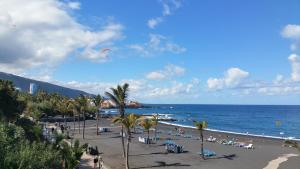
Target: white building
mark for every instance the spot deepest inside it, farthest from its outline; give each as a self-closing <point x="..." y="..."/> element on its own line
<point x="32" y="88"/>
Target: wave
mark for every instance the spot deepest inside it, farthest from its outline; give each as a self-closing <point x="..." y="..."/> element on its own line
<point x="231" y="132"/>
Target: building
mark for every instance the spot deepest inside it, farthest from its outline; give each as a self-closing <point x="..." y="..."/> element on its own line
<point x="32" y="88"/>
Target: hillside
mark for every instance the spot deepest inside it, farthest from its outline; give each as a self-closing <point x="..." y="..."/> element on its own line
<point x="24" y="83"/>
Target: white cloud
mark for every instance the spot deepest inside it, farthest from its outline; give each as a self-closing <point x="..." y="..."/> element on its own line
<point x="169" y="7"/>
<point x="152" y="23"/>
<point x="74" y="5"/>
<point x="291" y="31"/>
<point x="157" y="44"/>
<point x="177" y="89"/>
<point x="295" y="63"/>
<point x="156" y="76"/>
<point x="232" y="78"/>
<point x="168" y="72"/>
<point x="142" y="90"/>
<point x="44" y="34"/>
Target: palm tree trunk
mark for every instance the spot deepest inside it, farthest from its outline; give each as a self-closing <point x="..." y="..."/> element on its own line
<point x="74" y="122"/>
<point x="127" y="153"/>
<point x="148" y="131"/>
<point x="79" y="122"/>
<point x="155" y="133"/>
<point x="202" y="151"/>
<point x="122" y="139"/>
<point x="97" y="130"/>
<point x="83" y="126"/>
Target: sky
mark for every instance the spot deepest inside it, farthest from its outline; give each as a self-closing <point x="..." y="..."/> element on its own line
<point x="169" y="51"/>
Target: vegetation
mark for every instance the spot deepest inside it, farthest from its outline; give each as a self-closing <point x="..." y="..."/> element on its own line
<point x="97" y="101"/>
<point x="128" y="122"/>
<point x="147" y="124"/>
<point x="201" y="125"/>
<point x="119" y="96"/>
<point x="21" y="142"/>
<point x="155" y="120"/>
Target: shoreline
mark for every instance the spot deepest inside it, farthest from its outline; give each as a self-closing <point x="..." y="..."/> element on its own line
<point x="233" y="133"/>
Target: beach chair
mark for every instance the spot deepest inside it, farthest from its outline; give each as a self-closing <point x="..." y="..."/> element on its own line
<point x="240" y="144"/>
<point x="249" y="146"/>
<point x="124" y="134"/>
<point x="174" y="148"/>
<point x="208" y="153"/>
<point x="211" y="139"/>
<point x="145" y="140"/>
<point x="103" y="129"/>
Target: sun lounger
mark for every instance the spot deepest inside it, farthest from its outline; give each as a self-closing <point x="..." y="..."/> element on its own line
<point x="249" y="146"/>
<point x="103" y="129"/>
<point x="211" y="139"/>
<point x="208" y="153"/>
<point x="240" y="144"/>
<point x="145" y="140"/>
<point x="174" y="148"/>
<point x="230" y="142"/>
<point x="124" y="134"/>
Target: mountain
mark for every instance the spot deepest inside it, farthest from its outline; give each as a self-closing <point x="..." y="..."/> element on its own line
<point x="24" y="83"/>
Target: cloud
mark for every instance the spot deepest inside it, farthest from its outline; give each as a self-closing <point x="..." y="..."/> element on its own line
<point x="232" y="78"/>
<point x="43" y="33"/>
<point x="141" y="89"/>
<point x="291" y="31"/>
<point x="295" y="64"/>
<point x="168" y="72"/>
<point x="169" y="7"/>
<point x="152" y="23"/>
<point x="178" y="89"/>
<point x="157" y="44"/>
<point x="74" y="5"/>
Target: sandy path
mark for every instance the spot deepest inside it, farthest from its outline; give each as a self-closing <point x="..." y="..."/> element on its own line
<point x="274" y="164"/>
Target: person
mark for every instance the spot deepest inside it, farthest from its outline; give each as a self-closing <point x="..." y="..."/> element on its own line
<point x="100" y="162"/>
<point x="95" y="161"/>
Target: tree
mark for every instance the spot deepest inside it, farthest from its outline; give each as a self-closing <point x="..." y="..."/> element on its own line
<point x="119" y="96"/>
<point x="82" y="103"/>
<point x="200" y="126"/>
<point x="97" y="101"/>
<point x="128" y="122"/>
<point x="10" y="106"/>
<point x="155" y="119"/>
<point x="147" y="124"/>
<point x="71" y="105"/>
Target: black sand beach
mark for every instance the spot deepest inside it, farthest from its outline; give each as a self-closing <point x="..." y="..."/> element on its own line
<point x="154" y="155"/>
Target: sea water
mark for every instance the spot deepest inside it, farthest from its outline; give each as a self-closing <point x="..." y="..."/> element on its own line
<point x="280" y="121"/>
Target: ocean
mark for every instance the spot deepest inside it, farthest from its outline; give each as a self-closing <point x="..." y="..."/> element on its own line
<point x="278" y="121"/>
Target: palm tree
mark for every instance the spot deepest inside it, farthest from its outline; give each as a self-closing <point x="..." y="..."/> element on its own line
<point x="119" y="96"/>
<point x="97" y="101"/>
<point x="147" y="124"/>
<point x="128" y="122"/>
<point x="71" y="106"/>
<point x="155" y="123"/>
<point x="200" y="126"/>
<point x="82" y="102"/>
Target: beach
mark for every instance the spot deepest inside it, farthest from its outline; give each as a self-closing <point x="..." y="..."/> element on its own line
<point x="155" y="156"/>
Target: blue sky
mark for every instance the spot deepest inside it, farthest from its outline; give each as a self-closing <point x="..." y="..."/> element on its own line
<point x="169" y="51"/>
